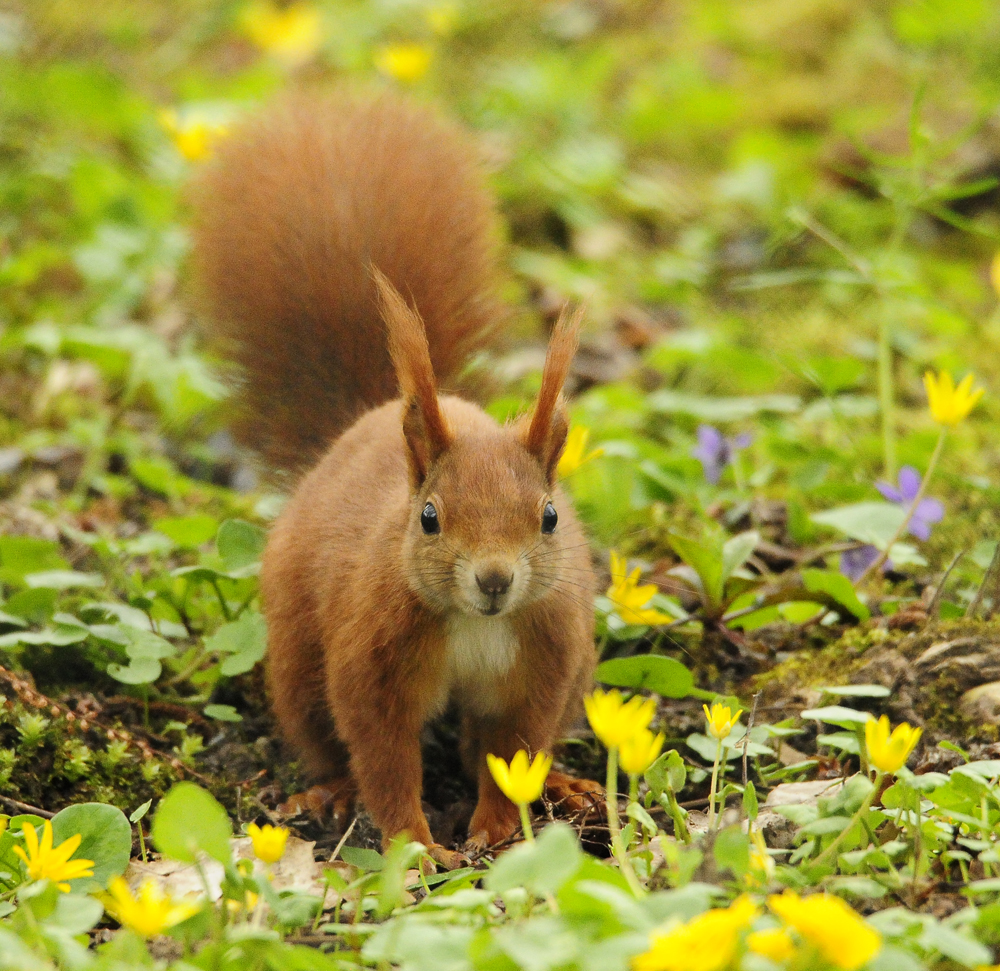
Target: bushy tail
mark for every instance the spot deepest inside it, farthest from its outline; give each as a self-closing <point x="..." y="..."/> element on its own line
<point x="289" y="218"/>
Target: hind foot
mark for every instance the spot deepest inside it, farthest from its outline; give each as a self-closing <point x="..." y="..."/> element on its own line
<point x="326" y="801"/>
<point x="574" y="795"/>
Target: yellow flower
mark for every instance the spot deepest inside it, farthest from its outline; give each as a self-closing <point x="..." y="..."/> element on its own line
<point x="830" y="926"/>
<point x="4" y="820"/>
<point x="615" y="721"/>
<point x="404" y="62"/>
<point x="888" y="753"/>
<point x="640" y="751"/>
<point x="775" y="944"/>
<point x="193" y="137"/>
<point x="148" y="912"/>
<point x="950" y="405"/>
<point x="721" y="720"/>
<point x="292" y="36"/>
<point x="707" y="942"/>
<point x="268" y="841"/>
<point x="47" y="863"/>
<point x="520" y="782"/>
<point x="575" y="452"/>
<point x="629" y="598"/>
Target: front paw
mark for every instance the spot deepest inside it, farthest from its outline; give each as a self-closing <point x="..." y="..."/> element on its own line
<point x="449" y="859"/>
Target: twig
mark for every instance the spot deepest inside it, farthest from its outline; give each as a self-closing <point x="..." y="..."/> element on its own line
<point x="989" y="582"/>
<point x="746" y="737"/>
<point x="25" y="807"/>
<point x="936" y="599"/>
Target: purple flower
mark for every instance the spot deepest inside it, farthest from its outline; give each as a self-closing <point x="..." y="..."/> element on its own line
<point x="854" y="562"/>
<point x="928" y="511"/>
<point x="715" y="451"/>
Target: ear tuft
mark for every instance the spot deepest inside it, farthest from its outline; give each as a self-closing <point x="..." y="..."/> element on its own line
<point x="424" y="427"/>
<point x="546" y="435"/>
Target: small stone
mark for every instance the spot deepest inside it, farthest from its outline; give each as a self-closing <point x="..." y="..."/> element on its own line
<point x="982" y="703"/>
<point x="802" y="793"/>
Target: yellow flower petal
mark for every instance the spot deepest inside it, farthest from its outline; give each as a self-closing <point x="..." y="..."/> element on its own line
<point x="629" y="598"/>
<point x="948" y="404"/>
<point x="268" y="841"/>
<point x="404" y="62"/>
<point x="888" y="753"/>
<point x="721" y="720"/>
<point x="575" y="451"/>
<point x="293" y="35"/>
<point x="148" y="912"/>
<point x="43" y="862"/>
<point x="639" y="752"/>
<point x="520" y="782"/>
<point x="615" y="721"/>
<point x="830" y="926"/>
<point x="707" y="942"/>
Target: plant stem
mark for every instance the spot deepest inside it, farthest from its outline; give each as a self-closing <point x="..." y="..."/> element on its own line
<point x="529" y="833"/>
<point x="862" y="809"/>
<point x="614" y="826"/>
<point x="917" y="499"/>
<point x="886" y="395"/>
<point x="715" y="784"/>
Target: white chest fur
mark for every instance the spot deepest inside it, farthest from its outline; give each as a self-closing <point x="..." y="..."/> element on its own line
<point x="479" y="652"/>
<point x="480" y="648"/>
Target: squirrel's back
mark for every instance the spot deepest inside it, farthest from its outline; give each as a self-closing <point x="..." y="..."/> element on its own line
<point x="291" y="215"/>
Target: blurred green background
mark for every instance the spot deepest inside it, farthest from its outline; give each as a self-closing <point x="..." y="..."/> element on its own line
<point x="749" y="197"/>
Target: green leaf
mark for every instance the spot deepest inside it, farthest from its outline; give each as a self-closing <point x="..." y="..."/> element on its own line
<point x="858" y="691"/>
<point x="636" y="812"/>
<point x="223" y="713"/>
<point x="139" y="670"/>
<point x="543" y="866"/>
<point x="668" y="772"/>
<point x="188" y="532"/>
<point x="21" y="555"/>
<point x="244" y="640"/>
<point x="736" y="551"/>
<point x="838" y="587"/>
<point x="240" y="544"/>
<point x="190" y="821"/>
<point x="869" y="522"/>
<point x="838" y="715"/>
<point x="107" y="840"/>
<point x="362" y="858"/>
<point x="732" y="850"/>
<point x="63" y="580"/>
<point x="750" y="800"/>
<point x="137" y="814"/>
<point x="705" y="557"/>
<point x="651" y="672"/>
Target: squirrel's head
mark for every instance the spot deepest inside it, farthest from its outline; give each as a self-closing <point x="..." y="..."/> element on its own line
<point x="484" y="534"/>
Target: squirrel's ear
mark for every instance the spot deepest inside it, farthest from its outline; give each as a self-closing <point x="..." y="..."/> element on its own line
<point x="424" y="427"/>
<point x="546" y="435"/>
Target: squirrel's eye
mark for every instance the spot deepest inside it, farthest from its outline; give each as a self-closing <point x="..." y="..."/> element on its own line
<point x="549" y="518"/>
<point x="429" y="519"/>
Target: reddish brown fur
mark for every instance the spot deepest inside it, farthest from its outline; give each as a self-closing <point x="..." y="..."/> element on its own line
<point x="288" y="217"/>
<point x="374" y="624"/>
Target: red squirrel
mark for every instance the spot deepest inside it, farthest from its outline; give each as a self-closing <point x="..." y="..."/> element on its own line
<point x="344" y="258"/>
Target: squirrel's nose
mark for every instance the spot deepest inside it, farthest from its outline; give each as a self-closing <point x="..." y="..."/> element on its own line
<point x="494" y="581"/>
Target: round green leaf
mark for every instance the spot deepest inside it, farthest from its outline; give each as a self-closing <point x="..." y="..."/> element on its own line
<point x="106" y="839"/>
<point x="663" y="675"/>
<point x="190" y="821"/>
